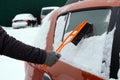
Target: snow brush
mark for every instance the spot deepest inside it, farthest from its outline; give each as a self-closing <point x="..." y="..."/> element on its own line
<point x="75" y="36"/>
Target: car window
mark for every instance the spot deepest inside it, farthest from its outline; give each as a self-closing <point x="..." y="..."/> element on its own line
<point x="76" y="54"/>
<point x="45" y="12"/>
<point x="99" y="19"/>
<point x="60" y="25"/>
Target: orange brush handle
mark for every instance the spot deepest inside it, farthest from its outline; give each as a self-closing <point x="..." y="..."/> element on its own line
<point x="71" y="36"/>
<point x="68" y="39"/>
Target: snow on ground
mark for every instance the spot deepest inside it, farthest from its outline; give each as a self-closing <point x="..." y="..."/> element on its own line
<point x="11" y="69"/>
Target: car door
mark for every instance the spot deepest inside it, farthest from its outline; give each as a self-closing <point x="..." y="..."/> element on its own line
<point x="87" y="54"/>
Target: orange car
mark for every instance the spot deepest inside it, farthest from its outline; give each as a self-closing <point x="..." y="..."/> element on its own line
<point x="92" y="22"/>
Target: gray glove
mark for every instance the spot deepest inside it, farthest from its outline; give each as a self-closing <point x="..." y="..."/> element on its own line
<point x="52" y="58"/>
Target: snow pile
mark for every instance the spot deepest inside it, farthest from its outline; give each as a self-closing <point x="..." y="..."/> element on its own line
<point x="11" y="69"/>
<point x="87" y="55"/>
<point x="107" y="54"/>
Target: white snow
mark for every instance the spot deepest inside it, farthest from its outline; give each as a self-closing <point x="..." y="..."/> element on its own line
<point x="24" y="16"/>
<point x="87" y="55"/>
<point x="12" y="69"/>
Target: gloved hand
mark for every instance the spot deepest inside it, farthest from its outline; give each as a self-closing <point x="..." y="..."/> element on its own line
<point x="52" y="58"/>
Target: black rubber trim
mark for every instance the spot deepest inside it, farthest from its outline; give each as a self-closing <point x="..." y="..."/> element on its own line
<point x="114" y="65"/>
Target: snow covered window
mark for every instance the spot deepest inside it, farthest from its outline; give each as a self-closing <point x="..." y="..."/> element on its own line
<point x="60" y="25"/>
<point x="87" y="55"/>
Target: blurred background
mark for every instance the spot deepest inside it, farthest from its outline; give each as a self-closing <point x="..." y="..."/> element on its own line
<point x="10" y="8"/>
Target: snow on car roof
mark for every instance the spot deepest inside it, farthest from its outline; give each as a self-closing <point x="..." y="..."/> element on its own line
<point x="24" y="16"/>
<point x="53" y="7"/>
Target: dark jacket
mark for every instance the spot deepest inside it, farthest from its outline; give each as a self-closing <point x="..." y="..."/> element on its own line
<point x="11" y="47"/>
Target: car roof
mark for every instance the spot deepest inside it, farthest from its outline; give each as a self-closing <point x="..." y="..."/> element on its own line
<point x="71" y="1"/>
<point x="24" y="16"/>
<point x="86" y="4"/>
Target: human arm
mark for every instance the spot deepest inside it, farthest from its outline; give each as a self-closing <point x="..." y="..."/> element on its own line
<point x="11" y="47"/>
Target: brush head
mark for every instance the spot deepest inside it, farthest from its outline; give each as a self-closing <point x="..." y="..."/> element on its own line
<point x="87" y="30"/>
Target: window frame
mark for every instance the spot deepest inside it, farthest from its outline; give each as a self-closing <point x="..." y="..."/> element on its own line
<point x="69" y="13"/>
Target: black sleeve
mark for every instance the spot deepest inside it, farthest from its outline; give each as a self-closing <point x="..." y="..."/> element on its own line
<point x="11" y="47"/>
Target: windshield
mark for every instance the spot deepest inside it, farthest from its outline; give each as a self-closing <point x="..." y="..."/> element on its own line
<point x="99" y="18"/>
<point x="45" y="12"/>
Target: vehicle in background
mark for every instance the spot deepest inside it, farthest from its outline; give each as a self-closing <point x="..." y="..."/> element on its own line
<point x="46" y="10"/>
<point x="96" y="56"/>
<point x="24" y="20"/>
<point x="71" y="1"/>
